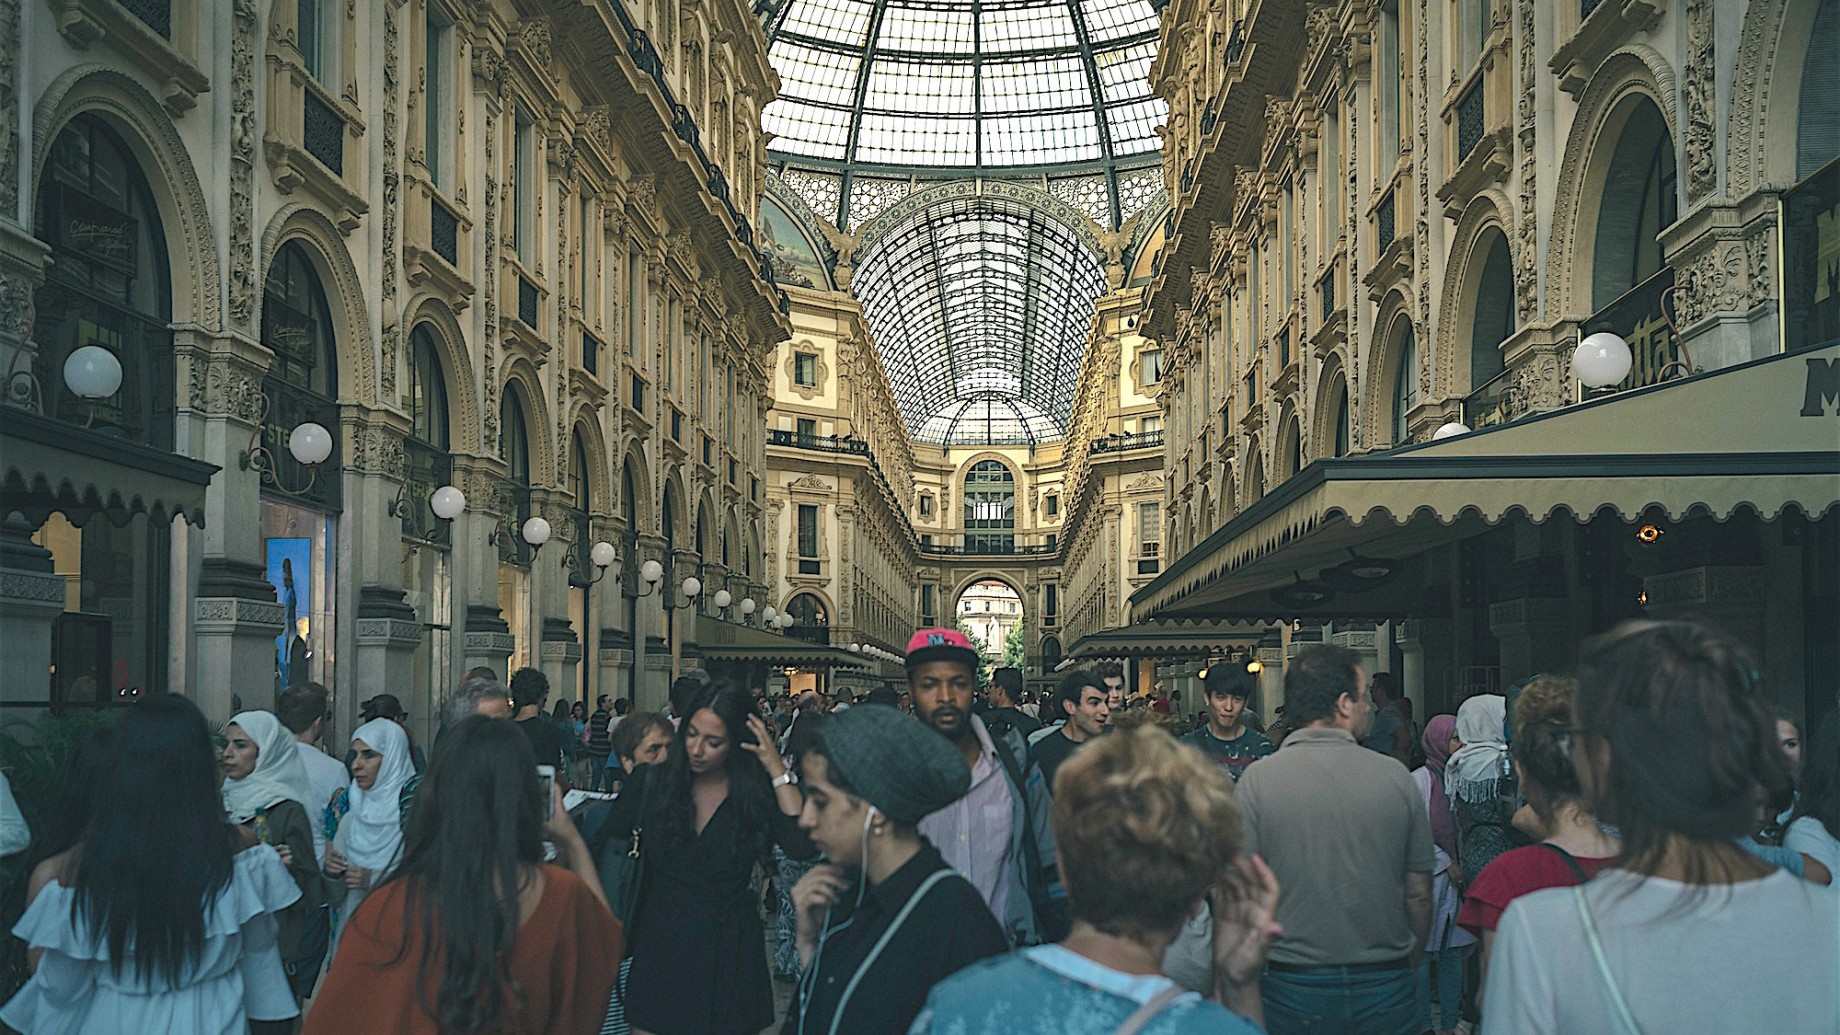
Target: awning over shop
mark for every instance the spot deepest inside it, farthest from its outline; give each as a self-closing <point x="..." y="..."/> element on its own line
<point x="726" y="641"/>
<point x="1761" y="437"/>
<point x="1172" y="639"/>
<point x="53" y="467"/>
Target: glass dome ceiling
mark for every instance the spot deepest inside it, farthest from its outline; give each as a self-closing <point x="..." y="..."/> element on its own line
<point x="981" y="307"/>
<point x="963" y="84"/>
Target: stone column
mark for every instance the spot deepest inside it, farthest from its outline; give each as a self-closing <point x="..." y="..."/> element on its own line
<point x="1724" y="258"/>
<point x="558" y="654"/>
<point x="485" y="636"/>
<point x="1365" y="643"/>
<point x="235" y="616"/>
<point x="1424" y="646"/>
<point x="385" y="628"/>
<point x="1534" y="634"/>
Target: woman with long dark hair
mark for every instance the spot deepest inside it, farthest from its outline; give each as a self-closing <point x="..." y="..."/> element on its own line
<point x="723" y="798"/>
<point x="161" y="916"/>
<point x="473" y="932"/>
<point x="1675" y="745"/>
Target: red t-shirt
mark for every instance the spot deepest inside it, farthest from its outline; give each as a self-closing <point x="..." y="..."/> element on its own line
<point x="1514" y="873"/>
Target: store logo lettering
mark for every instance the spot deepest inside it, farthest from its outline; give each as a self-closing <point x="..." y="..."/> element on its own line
<point x="1823" y="388"/>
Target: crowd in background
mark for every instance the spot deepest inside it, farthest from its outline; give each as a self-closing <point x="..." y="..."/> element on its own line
<point x="1639" y="845"/>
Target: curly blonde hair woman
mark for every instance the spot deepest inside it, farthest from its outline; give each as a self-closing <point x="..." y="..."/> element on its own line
<point x="1146" y="826"/>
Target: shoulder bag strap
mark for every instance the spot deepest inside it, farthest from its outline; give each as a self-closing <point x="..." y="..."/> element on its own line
<point x="1571" y="861"/>
<point x="1031" y="852"/>
<point x="882" y="943"/>
<point x="1147" y="1012"/>
<point x="1626" y="1022"/>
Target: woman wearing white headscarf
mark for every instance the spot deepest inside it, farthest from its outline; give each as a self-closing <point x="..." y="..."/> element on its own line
<point x="364" y="835"/>
<point x="265" y="790"/>
<point x="1472" y="781"/>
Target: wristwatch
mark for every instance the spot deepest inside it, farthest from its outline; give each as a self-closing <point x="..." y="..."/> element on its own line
<point x="785" y="778"/>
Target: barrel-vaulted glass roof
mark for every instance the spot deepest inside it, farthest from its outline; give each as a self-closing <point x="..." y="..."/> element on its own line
<point x="963" y="83"/>
<point x="980" y="307"/>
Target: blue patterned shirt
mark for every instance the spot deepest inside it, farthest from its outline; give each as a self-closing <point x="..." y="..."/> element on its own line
<point x="1050" y="990"/>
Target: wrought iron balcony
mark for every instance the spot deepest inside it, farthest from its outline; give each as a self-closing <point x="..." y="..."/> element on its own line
<point x="1120" y="443"/>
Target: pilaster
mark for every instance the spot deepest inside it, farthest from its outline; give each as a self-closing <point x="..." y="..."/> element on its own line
<point x="1724" y="256"/>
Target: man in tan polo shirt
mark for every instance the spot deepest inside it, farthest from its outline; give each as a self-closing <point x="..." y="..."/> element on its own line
<point x="1347" y="833"/>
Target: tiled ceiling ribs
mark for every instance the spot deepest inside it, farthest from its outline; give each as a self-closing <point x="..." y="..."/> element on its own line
<point x="981" y="308"/>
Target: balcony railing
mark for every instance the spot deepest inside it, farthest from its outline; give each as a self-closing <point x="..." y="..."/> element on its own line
<point x="1120" y="443"/>
<point x="1469" y="120"/>
<point x="822" y="443"/>
<point x="1383" y="223"/>
<point x="590" y="354"/>
<point x="323" y="133"/>
<point x="444" y="231"/>
<point x="527" y="302"/>
<point x="155" y="14"/>
<point x="1327" y="288"/>
<point x="1490" y="404"/>
<point x="988" y="547"/>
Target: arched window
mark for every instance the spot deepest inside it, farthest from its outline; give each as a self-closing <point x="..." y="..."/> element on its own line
<point x="426" y="449"/>
<point x="1817" y="129"/>
<point x="702" y="524"/>
<point x="107" y="284"/>
<point x="427" y="392"/>
<point x="1640" y="199"/>
<point x="581" y="489"/>
<point x="1050" y="653"/>
<point x="514" y="450"/>
<point x="1339" y="426"/>
<point x="302" y="379"/>
<point x="1405" y="387"/>
<point x="629" y="499"/>
<point x="990" y="508"/>
<point x="809" y="619"/>
<point x="1493" y="321"/>
<point x="668" y="515"/>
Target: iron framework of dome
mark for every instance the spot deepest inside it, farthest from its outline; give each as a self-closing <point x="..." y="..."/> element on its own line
<point x="874" y="93"/>
<point x="981" y="307"/>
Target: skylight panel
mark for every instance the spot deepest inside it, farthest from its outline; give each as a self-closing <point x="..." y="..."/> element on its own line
<point x="1035" y="84"/>
<point x="1124" y="74"/>
<point x="1040" y="25"/>
<point x="1134" y="125"/>
<point x="1108" y="20"/>
<point x="834" y="21"/>
<point x="919" y="88"/>
<point x="1039" y="139"/>
<point x="816" y="74"/>
<point x="895" y="137"/>
<point x="929" y="30"/>
<point x="806" y="129"/>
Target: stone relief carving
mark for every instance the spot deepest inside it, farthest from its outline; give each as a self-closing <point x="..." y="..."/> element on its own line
<point x="378" y="450"/>
<point x="1697" y="90"/>
<point x="242" y="165"/>
<point x="392" y="325"/>
<point x="1526" y="257"/>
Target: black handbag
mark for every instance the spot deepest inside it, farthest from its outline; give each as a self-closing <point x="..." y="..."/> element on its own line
<point x="622" y="864"/>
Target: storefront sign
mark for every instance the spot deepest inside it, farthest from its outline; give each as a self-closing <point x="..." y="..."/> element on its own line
<point x="1823" y="388"/>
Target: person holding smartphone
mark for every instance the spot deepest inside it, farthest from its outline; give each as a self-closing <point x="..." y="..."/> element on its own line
<point x="723" y="798"/>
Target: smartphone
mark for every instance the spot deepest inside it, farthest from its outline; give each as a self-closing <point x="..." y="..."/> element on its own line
<point x="546" y="785"/>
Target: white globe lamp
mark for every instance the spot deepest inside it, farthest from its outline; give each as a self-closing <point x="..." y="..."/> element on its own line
<point x="602" y="554"/>
<point x="92" y="372"/>
<point x="1450" y="429"/>
<point x="651" y="572"/>
<point x="310" y="443"/>
<point x="723" y="598"/>
<point x="1602" y="360"/>
<point x="536" y="531"/>
<point x="447" y="502"/>
<point x="747" y="606"/>
<point x="692" y="586"/>
<point x="769" y="616"/>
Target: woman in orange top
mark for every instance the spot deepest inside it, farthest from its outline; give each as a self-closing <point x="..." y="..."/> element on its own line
<point x="433" y="951"/>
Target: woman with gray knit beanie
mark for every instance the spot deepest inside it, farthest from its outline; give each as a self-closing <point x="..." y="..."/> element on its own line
<point x="884" y="918"/>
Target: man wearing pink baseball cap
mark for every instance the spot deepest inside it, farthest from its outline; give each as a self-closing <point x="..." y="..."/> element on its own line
<point x="997" y="835"/>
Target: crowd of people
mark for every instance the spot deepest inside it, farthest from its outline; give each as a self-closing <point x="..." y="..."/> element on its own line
<point x="1641" y="845"/>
